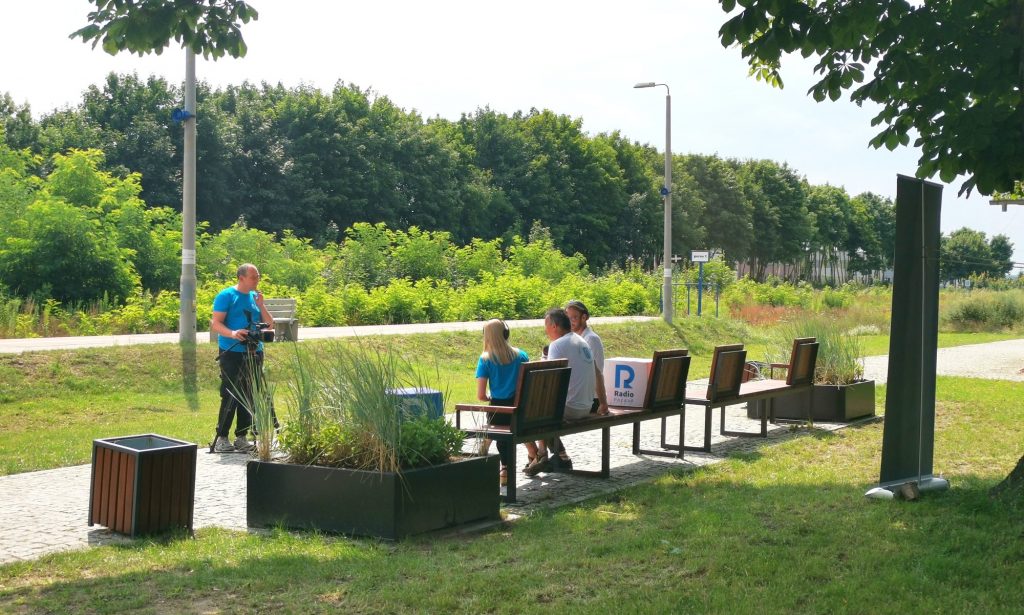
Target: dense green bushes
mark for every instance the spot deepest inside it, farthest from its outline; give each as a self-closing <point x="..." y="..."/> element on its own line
<point x="342" y="284"/>
<point x="983" y="310"/>
<point x="508" y="295"/>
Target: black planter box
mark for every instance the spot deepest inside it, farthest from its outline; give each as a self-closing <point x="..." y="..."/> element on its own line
<point x="365" y="503"/>
<point x="142" y="484"/>
<point x="832" y="403"/>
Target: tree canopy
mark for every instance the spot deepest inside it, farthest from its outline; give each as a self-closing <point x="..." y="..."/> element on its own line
<point x="947" y="73"/>
<point x="212" y="28"/>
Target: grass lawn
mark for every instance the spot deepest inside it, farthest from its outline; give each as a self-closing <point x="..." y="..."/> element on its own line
<point x="784" y="530"/>
<point x="55" y="403"/>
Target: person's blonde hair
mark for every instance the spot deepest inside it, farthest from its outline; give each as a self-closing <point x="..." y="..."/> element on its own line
<point x="496" y="347"/>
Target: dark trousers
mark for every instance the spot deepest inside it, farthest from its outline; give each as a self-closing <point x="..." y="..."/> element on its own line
<point x="236" y="373"/>
<point x="504" y="448"/>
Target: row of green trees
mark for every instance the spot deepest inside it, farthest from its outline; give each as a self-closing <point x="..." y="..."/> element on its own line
<point x="966" y="253"/>
<point x="306" y="165"/>
<point x="315" y="163"/>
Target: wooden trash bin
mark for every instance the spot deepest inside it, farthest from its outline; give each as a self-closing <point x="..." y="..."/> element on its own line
<point x="142" y="484"/>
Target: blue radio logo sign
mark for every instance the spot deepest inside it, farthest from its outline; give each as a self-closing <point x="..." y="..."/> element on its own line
<point x="624" y="376"/>
<point x="626" y="381"/>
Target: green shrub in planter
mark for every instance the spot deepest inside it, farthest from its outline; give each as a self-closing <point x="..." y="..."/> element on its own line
<point x="840" y="392"/>
<point x="425" y="441"/>
<point x="356" y="463"/>
<point x="341" y="414"/>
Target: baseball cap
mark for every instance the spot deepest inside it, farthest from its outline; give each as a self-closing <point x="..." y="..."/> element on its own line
<point x="579" y="306"/>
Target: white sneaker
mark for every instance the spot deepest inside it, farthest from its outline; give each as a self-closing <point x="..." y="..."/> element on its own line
<point x="221" y="445"/>
<point x="243" y="445"/>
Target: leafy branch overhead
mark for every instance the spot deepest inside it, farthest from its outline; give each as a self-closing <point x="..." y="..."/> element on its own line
<point x="209" y="27"/>
<point x="947" y="73"/>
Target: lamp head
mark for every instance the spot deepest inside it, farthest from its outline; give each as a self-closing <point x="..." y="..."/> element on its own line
<point x="646" y="84"/>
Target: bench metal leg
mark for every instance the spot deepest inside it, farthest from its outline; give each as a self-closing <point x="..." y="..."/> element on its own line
<point x="606" y="445"/>
<point x="749" y="434"/>
<point x="667" y="449"/>
<point x="706" y="448"/>
<point x="510" y="470"/>
<point x="682" y="431"/>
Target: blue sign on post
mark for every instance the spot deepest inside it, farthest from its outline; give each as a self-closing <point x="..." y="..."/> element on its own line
<point x="181" y="115"/>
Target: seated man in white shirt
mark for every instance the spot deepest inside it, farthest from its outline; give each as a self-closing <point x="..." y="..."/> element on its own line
<point x="579" y="315"/>
<point x="582" y="380"/>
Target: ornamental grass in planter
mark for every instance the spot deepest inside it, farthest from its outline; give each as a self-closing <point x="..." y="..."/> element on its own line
<point x="353" y="459"/>
<point x="840" y="392"/>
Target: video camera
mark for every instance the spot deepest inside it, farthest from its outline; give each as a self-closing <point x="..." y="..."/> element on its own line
<point x="258" y="332"/>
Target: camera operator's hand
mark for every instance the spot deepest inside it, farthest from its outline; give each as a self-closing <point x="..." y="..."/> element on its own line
<point x="239" y="334"/>
<point x="259" y="299"/>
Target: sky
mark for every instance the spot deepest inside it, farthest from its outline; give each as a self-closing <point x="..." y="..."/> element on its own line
<point x="575" y="57"/>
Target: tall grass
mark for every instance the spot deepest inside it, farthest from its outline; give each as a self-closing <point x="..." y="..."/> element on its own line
<point x="840" y="358"/>
<point x="304" y="401"/>
<point x="257" y="398"/>
<point x="343" y="411"/>
<point x="356" y="396"/>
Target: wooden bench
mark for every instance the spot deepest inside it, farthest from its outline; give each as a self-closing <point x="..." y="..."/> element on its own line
<point x="539" y="406"/>
<point x="666" y="389"/>
<point x="726" y="388"/>
<point x="286" y="326"/>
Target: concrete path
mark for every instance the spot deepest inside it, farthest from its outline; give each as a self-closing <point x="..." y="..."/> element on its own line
<point x="45" y="512"/>
<point x="992" y="361"/>
<point x="15" y="346"/>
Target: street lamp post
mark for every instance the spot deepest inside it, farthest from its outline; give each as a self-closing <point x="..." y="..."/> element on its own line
<point x="666" y="193"/>
<point x="187" y="296"/>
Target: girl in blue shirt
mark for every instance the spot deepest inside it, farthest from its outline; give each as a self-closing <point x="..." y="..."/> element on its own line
<point x="497" y="369"/>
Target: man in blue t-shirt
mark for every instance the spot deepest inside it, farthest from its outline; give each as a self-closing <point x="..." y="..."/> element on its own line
<point x="234" y="309"/>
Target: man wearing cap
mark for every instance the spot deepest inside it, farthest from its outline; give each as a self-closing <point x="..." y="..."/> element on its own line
<point x="578" y="317"/>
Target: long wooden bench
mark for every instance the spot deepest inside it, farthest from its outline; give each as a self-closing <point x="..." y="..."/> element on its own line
<point x="726" y="388"/>
<point x="537" y="413"/>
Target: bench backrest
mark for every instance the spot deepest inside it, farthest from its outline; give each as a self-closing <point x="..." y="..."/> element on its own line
<point x="802" y="362"/>
<point x="280" y="308"/>
<point x="540" y="395"/>
<point x="667" y="385"/>
<point x="726" y="372"/>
